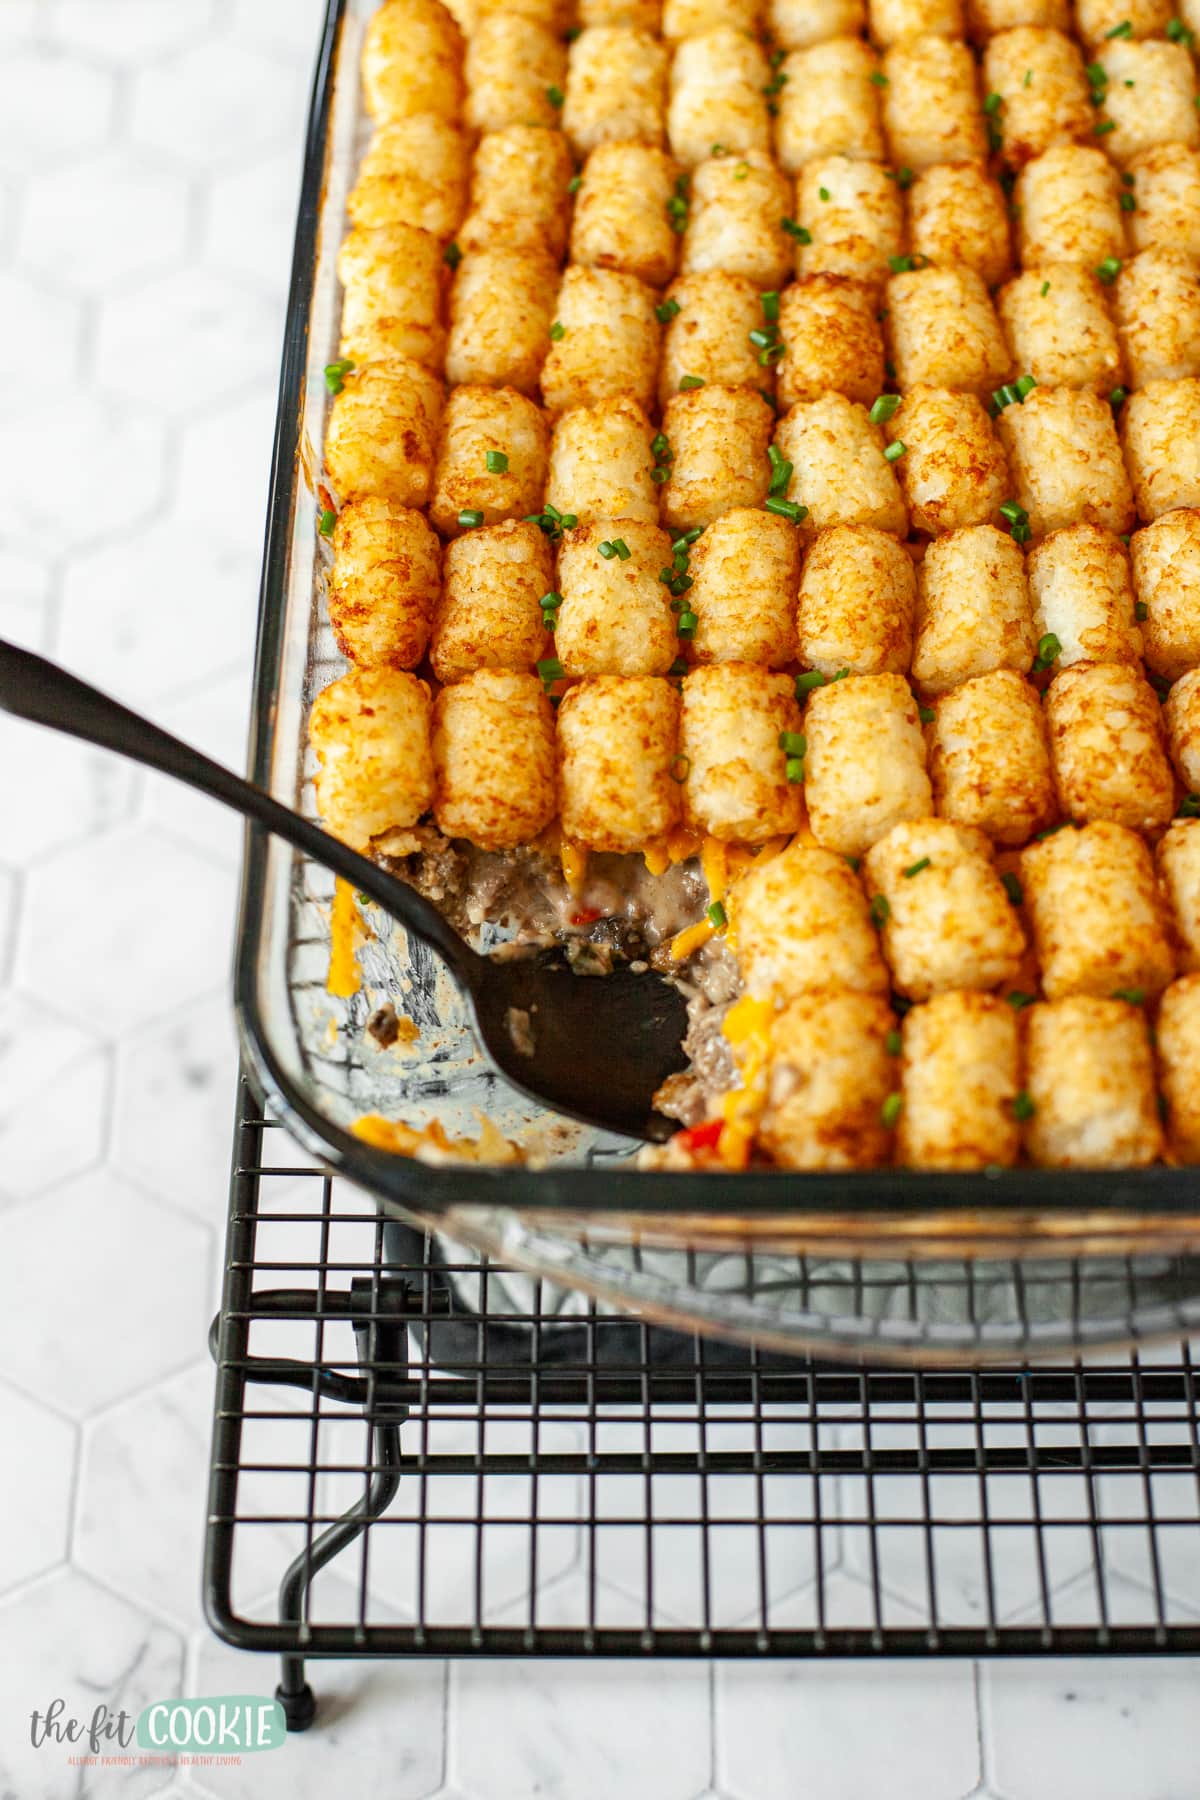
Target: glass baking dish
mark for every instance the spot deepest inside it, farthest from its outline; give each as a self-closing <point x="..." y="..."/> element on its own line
<point x="310" y="1055"/>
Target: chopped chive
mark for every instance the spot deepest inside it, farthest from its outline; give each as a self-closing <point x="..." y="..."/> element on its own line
<point x="718" y="150"/>
<point x="555" y="96"/>
<point x="793" y="742"/>
<point x="1010" y="510"/>
<point x="824" y="194"/>
<point x="470" y="517"/>
<point x="569" y="521"/>
<point x="800" y="232"/>
<point x="781" y="474"/>
<point x="677" y="206"/>
<point x="575" y="183"/>
<point x="916" y="868"/>
<point x="679" y="562"/>
<point x="549" y="602"/>
<point x="881" y="912"/>
<point x="995" y="136"/>
<point x="895" y="450"/>
<point x="992" y="103"/>
<point x="667" y="311"/>
<point x="1117" y="398"/>
<point x="1128" y="177"/>
<point x="1022" y="1106"/>
<point x="1141" y="611"/>
<point x="452" y="256"/>
<point x="1013" y="888"/>
<point x="327" y="522"/>
<point x="622" y="549"/>
<point x="901" y="265"/>
<point x="551" y="512"/>
<point x="1025" y="385"/>
<point x="1097" y="75"/>
<point x="679" y="667"/>
<point x="905" y="178"/>
<point x="548" y="621"/>
<point x="1103" y="126"/>
<point x="687" y="624"/>
<point x="1134" y="995"/>
<point x="658" y="476"/>
<point x="786" y="509"/>
<point x="854" y="861"/>
<point x="660" y="446"/>
<point x="926" y="715"/>
<point x="810" y="679"/>
<point x="891" y="1109"/>
<point x="1189" y="807"/>
<point x="1178" y="32"/>
<point x="1049" y="650"/>
<point x="1004" y="396"/>
<point x="1123" y="30"/>
<point x="334" y="372"/>
<point x="741" y="171"/>
<point x="770" y="399"/>
<point x="497" y="462"/>
<point x="878" y="78"/>
<point x="1018" y="1001"/>
<point x="770" y="305"/>
<point x="760" y="337"/>
<point x="689" y="382"/>
<point x="771" y="353"/>
<point x="841" y="675"/>
<point x="688" y="538"/>
<point x="1028" y="77"/>
<point x="793" y="769"/>
<point x="607" y="550"/>
<point x="551" y="670"/>
<point x="776" y="85"/>
<point x="1128" y="201"/>
<point x="884" y="408"/>
<point x="893" y="1043"/>
<point x="557" y="330"/>
<point x="1045" y="289"/>
<point x="716" y="916"/>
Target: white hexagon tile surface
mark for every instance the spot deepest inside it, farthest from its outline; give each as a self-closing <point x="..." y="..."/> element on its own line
<point x="149" y="161"/>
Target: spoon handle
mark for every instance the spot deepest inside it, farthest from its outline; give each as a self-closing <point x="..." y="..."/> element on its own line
<point x="34" y="689"/>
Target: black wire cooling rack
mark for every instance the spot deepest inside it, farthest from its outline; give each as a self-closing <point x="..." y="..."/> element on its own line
<point x="405" y="1463"/>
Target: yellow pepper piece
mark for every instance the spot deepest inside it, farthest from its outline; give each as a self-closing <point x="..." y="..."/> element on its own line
<point x="657" y="857"/>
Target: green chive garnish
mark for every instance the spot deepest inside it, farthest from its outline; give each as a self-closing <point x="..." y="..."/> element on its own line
<point x="716" y="916"/>
<point x="1045" y="289"/>
<point x="575" y="183"/>
<point x="992" y="103"/>
<point x="823" y="194"/>
<point x="770" y="305"/>
<point x="884" y="408"/>
<point x="679" y="667"/>
<point x="1049" y="650"/>
<point x="1123" y="30"/>
<point x="1103" y="126"/>
<point x="452" y="256"/>
<point x="1134" y="995"/>
<point x="1141" y="611"/>
<point x="1189" y="807"/>
<point x="555" y="96"/>
<point x="901" y="265"/>
<point x="1128" y="201"/>
<point x="916" y="868"/>
<point x="327" y="522"/>
<point x="881" y="912"/>
<point x="800" y="232"/>
<point x="497" y="462"/>
<point x="786" y="509"/>
<point x="811" y="678"/>
<point x="1013" y="888"/>
<point x="550" y="670"/>
<point x="1117" y="398"/>
<point x="878" y="78"/>
<point x="793" y="768"/>
<point x="1022" y="1106"/>
<point x="689" y="382"/>
<point x="926" y="715"/>
<point x="660" y="446"/>
<point x="470" y="517"/>
<point x="688" y="538"/>
<point x="891" y="1109"/>
<point x="892" y="1043"/>
<point x="688" y="622"/>
<point x="334" y="372"/>
<point x="794" y="742"/>
<point x="667" y="311"/>
<point x="1018" y="1001"/>
<point x="607" y="550"/>
<point x="894" y="451"/>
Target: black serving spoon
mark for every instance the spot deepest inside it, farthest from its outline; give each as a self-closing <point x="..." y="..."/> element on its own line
<point x="595" y="1047"/>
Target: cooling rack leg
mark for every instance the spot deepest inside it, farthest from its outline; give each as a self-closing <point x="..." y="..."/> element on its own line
<point x="293" y="1693"/>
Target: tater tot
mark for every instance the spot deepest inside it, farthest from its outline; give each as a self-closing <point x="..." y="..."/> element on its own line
<point x="1178" y="1039"/>
<point x="412" y="61"/>
<point x="384" y="584"/>
<point x="858" y="599"/>
<point x="719" y="439"/>
<point x="621" y="217"/>
<point x="797" y="23"/>
<point x="513" y="66"/>
<point x="605" y="341"/>
<point x="615" y="617"/>
<point x="893" y="20"/>
<point x="519" y="196"/>
<point x="1160" y="431"/>
<point x="865" y="764"/>
<point x="803" y="927"/>
<point x="1107" y="746"/>
<point x="601" y="462"/>
<point x="744" y="570"/>
<point x="1044" y="95"/>
<point x="834" y="342"/>
<point x="1181" y="716"/>
<point x="1166" y="575"/>
<point x="931" y="104"/>
<point x="735" y="220"/>
<point x="829" y="1074"/>
<point x="1068" y="208"/>
<point x="1178" y="859"/>
<point x="960" y="1073"/>
<point x="829" y="105"/>
<point x="946" y="919"/>
<point x="1082" y="595"/>
<point x="986" y="17"/>
<point x="839" y="471"/>
<point x="957" y="214"/>
<point x="736" y="785"/>
<point x="1095" y="912"/>
<point x="1096" y="20"/>
<point x="708" y="339"/>
<point x="490" y="614"/>
<point x="493" y="759"/>
<point x="646" y="15"/>
<point x="943" y="331"/>
<point x="1065" y="460"/>
<point x="717" y="96"/>
<point x="491" y="459"/>
<point x="1166" y="186"/>
<point x="1059" y="329"/>
<point x="852" y="213"/>
<point x="382" y="433"/>
<point x="370" y="732"/>
<point x="616" y="88"/>
<point x="692" y="18"/>
<point x="618" y="763"/>
<point x="953" y="470"/>
<point x="1090" y="1082"/>
<point x="414" y="172"/>
<point x="973" y="612"/>
<point x="392" y="304"/>
<point x="1149" y="97"/>
<point x="989" y="759"/>
<point x="1157" y="305"/>
<point x="501" y="308"/>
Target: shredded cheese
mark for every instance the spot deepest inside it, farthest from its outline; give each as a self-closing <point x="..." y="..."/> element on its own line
<point x="715" y="866"/>
<point x="491" y="1146"/>
<point x="746" y="1027"/>
<point x="574" y="867"/>
<point x="681" y="845"/>
<point x="346" y="933"/>
<point x="691" y="939"/>
<point x="657" y="857"/>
